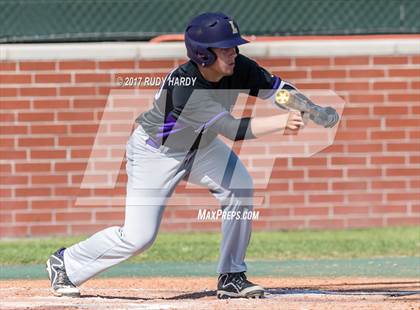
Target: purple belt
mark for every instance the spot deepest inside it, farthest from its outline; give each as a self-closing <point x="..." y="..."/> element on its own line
<point x="163" y="148"/>
<point x="152" y="143"/>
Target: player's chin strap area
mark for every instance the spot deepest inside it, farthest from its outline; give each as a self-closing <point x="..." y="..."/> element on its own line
<point x="293" y="99"/>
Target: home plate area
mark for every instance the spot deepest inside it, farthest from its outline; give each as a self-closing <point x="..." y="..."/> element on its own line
<point x="200" y="293"/>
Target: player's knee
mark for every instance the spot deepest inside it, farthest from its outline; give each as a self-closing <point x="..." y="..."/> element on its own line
<point x="238" y="194"/>
<point x="247" y="183"/>
<point x="143" y="244"/>
<point x="141" y="241"/>
<point x="246" y="188"/>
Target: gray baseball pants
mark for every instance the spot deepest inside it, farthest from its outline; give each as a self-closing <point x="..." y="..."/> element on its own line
<point x="152" y="177"/>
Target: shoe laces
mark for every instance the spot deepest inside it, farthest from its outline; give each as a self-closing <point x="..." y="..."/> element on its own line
<point x="63" y="279"/>
<point x="239" y="278"/>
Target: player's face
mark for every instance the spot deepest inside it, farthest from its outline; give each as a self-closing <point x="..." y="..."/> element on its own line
<point x="225" y="61"/>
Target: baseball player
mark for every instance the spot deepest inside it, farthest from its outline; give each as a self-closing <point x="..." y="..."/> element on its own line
<point x="178" y="139"/>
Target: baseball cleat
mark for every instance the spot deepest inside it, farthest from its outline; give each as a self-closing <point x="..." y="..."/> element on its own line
<point x="60" y="283"/>
<point x="236" y="285"/>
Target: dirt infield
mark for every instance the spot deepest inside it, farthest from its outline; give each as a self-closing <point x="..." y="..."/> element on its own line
<point x="199" y="293"/>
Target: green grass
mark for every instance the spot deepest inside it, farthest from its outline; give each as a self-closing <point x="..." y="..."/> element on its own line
<point x="203" y="247"/>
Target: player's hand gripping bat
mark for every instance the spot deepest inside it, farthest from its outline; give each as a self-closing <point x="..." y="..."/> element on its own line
<point x="292" y="99"/>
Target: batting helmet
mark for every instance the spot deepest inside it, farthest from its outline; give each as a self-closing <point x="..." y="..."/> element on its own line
<point x="210" y="30"/>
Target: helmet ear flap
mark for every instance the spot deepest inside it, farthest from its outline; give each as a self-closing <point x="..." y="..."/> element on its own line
<point x="212" y="56"/>
<point x="205" y="56"/>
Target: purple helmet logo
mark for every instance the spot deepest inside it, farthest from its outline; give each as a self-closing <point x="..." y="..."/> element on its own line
<point x="210" y="30"/>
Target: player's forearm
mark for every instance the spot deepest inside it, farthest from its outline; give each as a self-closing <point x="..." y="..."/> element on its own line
<point x="261" y="126"/>
<point x="251" y="128"/>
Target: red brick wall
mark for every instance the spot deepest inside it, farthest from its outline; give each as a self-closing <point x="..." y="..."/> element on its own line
<point x="50" y="111"/>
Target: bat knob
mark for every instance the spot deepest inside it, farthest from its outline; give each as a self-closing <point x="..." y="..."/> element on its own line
<point x="282" y="97"/>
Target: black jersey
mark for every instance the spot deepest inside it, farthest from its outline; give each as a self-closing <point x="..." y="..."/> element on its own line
<point x="188" y="107"/>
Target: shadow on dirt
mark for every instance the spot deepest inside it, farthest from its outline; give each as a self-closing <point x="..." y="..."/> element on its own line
<point x="193" y="295"/>
<point x="118" y="297"/>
